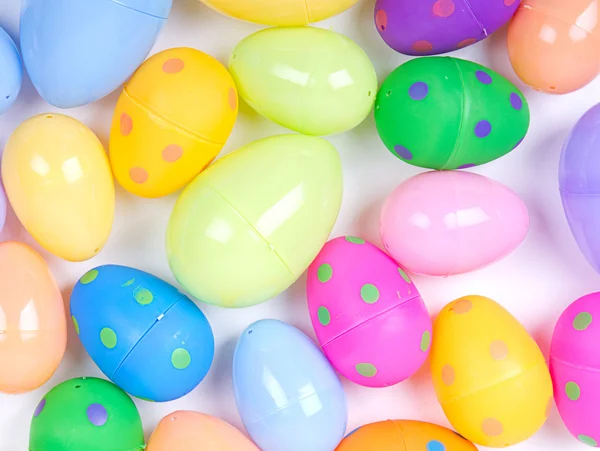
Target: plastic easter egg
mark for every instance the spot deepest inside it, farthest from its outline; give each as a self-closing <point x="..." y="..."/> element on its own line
<point x="368" y="316"/>
<point x="171" y="121"/>
<point x="288" y="395"/>
<point x="11" y="71"/>
<point x="191" y="431"/>
<point x="554" y="45"/>
<point x="404" y="435"/>
<point x="489" y="374"/>
<point x="58" y="180"/>
<point x="575" y="368"/>
<point x="147" y="337"/>
<point x="448" y="113"/>
<point x="248" y="226"/>
<point x="310" y="80"/>
<point x="3" y="206"/>
<point x="78" y="52"/>
<point x="86" y="414"/>
<point x="33" y="331"/>
<point x="579" y="182"/>
<point x="451" y="222"/>
<point x="432" y="27"/>
<point x="276" y="12"/>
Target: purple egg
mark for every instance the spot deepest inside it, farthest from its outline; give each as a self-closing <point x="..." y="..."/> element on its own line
<point x="432" y="27"/>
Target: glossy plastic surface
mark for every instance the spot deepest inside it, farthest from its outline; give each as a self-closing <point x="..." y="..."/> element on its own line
<point x="248" y="226"/>
<point x="368" y="315"/>
<point x="86" y="414"/>
<point x="11" y="71"/>
<point x="288" y="395"/>
<point x="448" y="113"/>
<point x="78" y="52"/>
<point x="58" y="180"/>
<point x="313" y="81"/>
<point x="575" y="368"/>
<point x="451" y="222"/>
<point x="192" y="431"/>
<point x="130" y="321"/>
<point x="579" y="182"/>
<point x="554" y="46"/>
<point x="489" y="374"/>
<point x="432" y="27"/>
<point x="280" y="13"/>
<point x="404" y="435"/>
<point x="171" y="120"/>
<point x="33" y="331"/>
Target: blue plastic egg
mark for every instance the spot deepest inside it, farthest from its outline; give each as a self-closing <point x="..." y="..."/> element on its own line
<point x="287" y="393"/>
<point x="77" y="52"/>
<point x="11" y="71"/>
<point x="146" y="336"/>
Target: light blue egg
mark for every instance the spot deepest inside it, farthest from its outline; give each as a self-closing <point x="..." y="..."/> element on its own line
<point x="287" y="393"/>
<point x="11" y="71"/>
<point x="78" y="51"/>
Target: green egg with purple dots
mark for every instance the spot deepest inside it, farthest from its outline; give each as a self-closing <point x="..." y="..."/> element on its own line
<point x="448" y="113"/>
<point x="86" y="414"/>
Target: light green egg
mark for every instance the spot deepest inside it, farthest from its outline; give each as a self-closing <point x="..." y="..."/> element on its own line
<point x="248" y="226"/>
<point x="310" y="80"/>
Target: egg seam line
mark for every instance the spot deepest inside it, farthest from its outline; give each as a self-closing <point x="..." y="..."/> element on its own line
<point x="554" y="16"/>
<point x="400" y="433"/>
<point x="468" y="5"/>
<point x="308" y="18"/>
<point x="462" y="117"/>
<point x="578" y="194"/>
<point x="252" y="227"/>
<point x="146" y="108"/>
<point x="117" y="2"/>
<point x="371" y="318"/>
<point x="578" y="367"/>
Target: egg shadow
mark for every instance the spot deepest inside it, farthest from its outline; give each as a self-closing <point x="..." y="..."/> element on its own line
<point x="75" y="349"/>
<point x="367" y="222"/>
<point x="221" y="381"/>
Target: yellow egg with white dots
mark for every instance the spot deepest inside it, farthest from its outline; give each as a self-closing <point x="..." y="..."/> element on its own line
<point x="172" y="119"/>
<point x="489" y="374"/>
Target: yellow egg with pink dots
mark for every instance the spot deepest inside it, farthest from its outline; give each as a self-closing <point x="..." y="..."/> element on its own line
<point x="172" y="119"/>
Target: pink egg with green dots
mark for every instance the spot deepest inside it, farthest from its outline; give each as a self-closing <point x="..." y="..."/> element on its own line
<point x="575" y="368"/>
<point x="368" y="316"/>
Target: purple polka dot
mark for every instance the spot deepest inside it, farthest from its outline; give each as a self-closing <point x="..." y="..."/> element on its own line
<point x="403" y="152"/>
<point x="520" y="141"/>
<point x="97" y="414"/>
<point x="516" y="101"/>
<point x="39" y="408"/>
<point x="482" y="129"/>
<point x="483" y="77"/>
<point x="418" y="90"/>
<point x="466" y="166"/>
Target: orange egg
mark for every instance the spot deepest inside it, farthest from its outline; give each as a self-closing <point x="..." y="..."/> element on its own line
<point x="33" y="331"/>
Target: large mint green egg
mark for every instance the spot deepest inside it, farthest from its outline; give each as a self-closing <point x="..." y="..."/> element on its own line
<point x="310" y="80"/>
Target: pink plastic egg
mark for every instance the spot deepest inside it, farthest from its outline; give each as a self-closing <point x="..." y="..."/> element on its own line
<point x="575" y="368"/>
<point x="368" y="316"/>
<point x="447" y="222"/>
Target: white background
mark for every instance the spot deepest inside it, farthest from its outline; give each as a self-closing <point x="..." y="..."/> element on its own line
<point x="535" y="283"/>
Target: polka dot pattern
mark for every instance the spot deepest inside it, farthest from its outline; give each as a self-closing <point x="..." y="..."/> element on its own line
<point x="355" y="240"/>
<point x="181" y="359"/>
<point x="418" y="90"/>
<point x="404" y="275"/>
<point x="465" y="43"/>
<point x="75" y="324"/>
<point x="39" y="408"/>
<point x="172" y="153"/>
<point x="403" y="152"/>
<point x="587" y="440"/>
<point x="448" y="375"/>
<point x="366" y="369"/>
<point x="324" y="316"/>
<point x="422" y="46"/>
<point x="138" y="175"/>
<point x="89" y="277"/>
<point x="434" y="445"/>
<point x="128" y="283"/>
<point x="573" y="391"/>
<point x="97" y="414"/>
<point x="369" y="293"/>
<point x="108" y="337"/>
<point x="461" y="306"/>
<point x="443" y="8"/>
<point x="509" y="2"/>
<point x="483" y="77"/>
<point x="381" y="20"/>
<point x="425" y="341"/>
<point x="515" y="101"/>
<point x="143" y="296"/>
<point x="582" y="321"/>
<point x="126" y="124"/>
<point x="492" y="427"/>
<point x="232" y="99"/>
<point x="467" y="166"/>
<point x="173" y="66"/>
<point x="483" y="129"/>
<point x="325" y="273"/>
<point x="498" y="350"/>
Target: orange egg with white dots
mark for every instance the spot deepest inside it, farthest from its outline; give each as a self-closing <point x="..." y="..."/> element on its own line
<point x="172" y="119"/>
<point x="489" y="374"/>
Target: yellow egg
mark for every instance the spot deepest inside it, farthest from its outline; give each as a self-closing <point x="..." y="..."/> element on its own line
<point x="172" y="119"/>
<point x="489" y="374"/>
<point x="59" y="183"/>
<point x="280" y="12"/>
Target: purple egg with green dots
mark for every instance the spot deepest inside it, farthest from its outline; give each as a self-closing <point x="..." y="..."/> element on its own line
<point x="449" y="113"/>
<point x="146" y="336"/>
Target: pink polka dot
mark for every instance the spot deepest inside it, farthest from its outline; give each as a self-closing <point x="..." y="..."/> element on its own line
<point x="509" y="2"/>
<point x="381" y="20"/>
<point x="172" y="153"/>
<point x="173" y="66"/>
<point x="466" y="42"/>
<point x="126" y="124"/>
<point x="422" y="46"/>
<point x="444" y="8"/>
<point x="138" y="175"/>
<point x="233" y="99"/>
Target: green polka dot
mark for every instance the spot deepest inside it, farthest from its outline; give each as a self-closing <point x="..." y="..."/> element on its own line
<point x="582" y="321"/>
<point x="425" y="341"/>
<point x="129" y="282"/>
<point x="325" y="273"/>
<point x="573" y="391"/>
<point x="369" y="293"/>
<point x="355" y="240"/>
<point x="89" y="277"/>
<point x="108" y="337"/>
<point x="324" y="316"/>
<point x="75" y="324"/>
<point x="366" y="369"/>
<point x="587" y="440"/>
<point x="142" y="296"/>
<point x="181" y="359"/>
<point x="404" y="275"/>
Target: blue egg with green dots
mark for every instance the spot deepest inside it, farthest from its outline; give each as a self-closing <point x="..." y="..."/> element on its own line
<point x="146" y="336"/>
